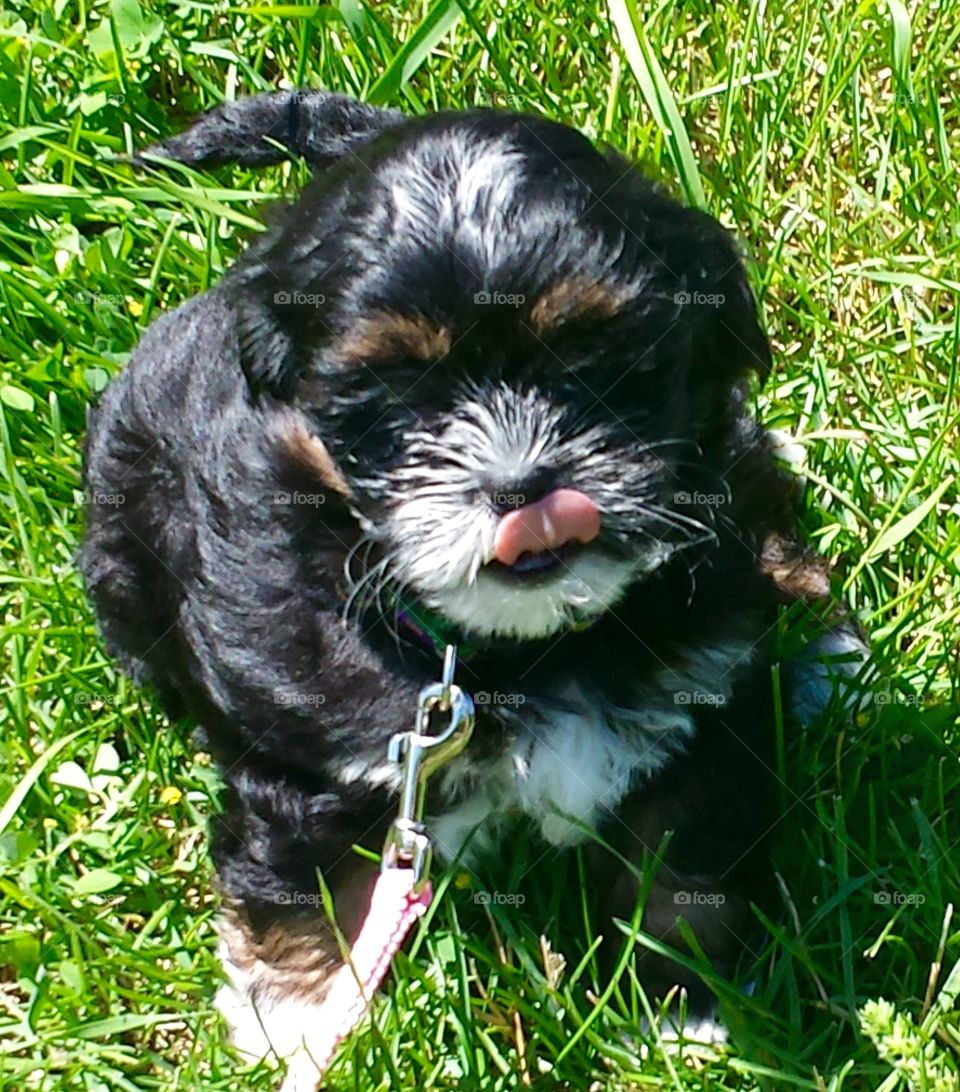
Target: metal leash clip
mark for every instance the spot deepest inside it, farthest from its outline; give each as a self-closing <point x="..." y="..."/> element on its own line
<point x="421" y="755"/>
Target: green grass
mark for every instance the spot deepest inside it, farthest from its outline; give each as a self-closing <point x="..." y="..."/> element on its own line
<point x="828" y="137"/>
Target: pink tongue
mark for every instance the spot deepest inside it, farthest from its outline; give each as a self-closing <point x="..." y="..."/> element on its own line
<point x="565" y="515"/>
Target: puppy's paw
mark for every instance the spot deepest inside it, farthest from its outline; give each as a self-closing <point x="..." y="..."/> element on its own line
<point x="705" y="1030"/>
<point x="280" y="1031"/>
<point x="302" y="1074"/>
<point x="680" y="1036"/>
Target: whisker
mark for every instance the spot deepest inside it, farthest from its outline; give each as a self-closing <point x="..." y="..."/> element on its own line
<point x="362" y="589"/>
<point x="677" y="519"/>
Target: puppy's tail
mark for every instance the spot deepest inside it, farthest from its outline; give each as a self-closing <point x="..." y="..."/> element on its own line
<point x="318" y="126"/>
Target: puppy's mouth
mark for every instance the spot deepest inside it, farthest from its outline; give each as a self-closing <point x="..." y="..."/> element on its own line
<point x="536" y="568"/>
<point x="530" y="571"/>
<point x="536" y="541"/>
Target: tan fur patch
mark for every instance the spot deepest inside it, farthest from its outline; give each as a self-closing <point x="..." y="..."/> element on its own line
<point x="390" y="334"/>
<point x="575" y="298"/>
<point x="286" y="961"/>
<point x="299" y="957"/>
<point x="309" y="452"/>
<point x="797" y="572"/>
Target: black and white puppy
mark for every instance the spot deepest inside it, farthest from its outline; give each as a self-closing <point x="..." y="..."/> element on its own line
<point x="484" y="383"/>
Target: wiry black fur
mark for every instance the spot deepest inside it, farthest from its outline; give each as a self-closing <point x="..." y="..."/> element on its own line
<point x="226" y="601"/>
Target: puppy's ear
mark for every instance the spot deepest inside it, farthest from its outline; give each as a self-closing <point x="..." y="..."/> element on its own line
<point x="745" y="339"/>
<point x="268" y="352"/>
<point x="715" y="295"/>
<point x="319" y="126"/>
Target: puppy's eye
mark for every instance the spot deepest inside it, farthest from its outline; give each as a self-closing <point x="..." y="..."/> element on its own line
<point x="396" y="371"/>
<point x="381" y="380"/>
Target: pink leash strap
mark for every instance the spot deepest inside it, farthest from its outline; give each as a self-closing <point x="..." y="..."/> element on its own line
<point x="401" y="893"/>
<point x="394" y="907"/>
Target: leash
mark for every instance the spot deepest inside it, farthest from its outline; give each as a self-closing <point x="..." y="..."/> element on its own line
<point x="402" y="891"/>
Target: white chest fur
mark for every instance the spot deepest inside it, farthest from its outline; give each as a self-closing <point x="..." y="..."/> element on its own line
<point x="565" y="771"/>
<point x="567" y="768"/>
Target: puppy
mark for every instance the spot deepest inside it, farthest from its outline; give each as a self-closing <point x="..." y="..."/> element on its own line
<point x="481" y="384"/>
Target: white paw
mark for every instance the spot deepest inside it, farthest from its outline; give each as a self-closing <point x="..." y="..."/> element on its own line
<point x="273" y="1029"/>
<point x="302" y="1074"/>
<point x="705" y="1029"/>
<point x="675" y="1039"/>
<point x="263" y="1027"/>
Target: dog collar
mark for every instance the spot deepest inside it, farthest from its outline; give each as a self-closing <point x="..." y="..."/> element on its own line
<point x="432" y="630"/>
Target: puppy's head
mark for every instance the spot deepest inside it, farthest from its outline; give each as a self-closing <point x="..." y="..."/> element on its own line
<point x="525" y="365"/>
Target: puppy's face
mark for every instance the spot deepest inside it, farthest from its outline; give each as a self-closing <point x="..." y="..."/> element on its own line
<point x="520" y="358"/>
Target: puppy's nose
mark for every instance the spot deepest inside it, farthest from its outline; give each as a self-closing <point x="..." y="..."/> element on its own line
<point x="505" y="496"/>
